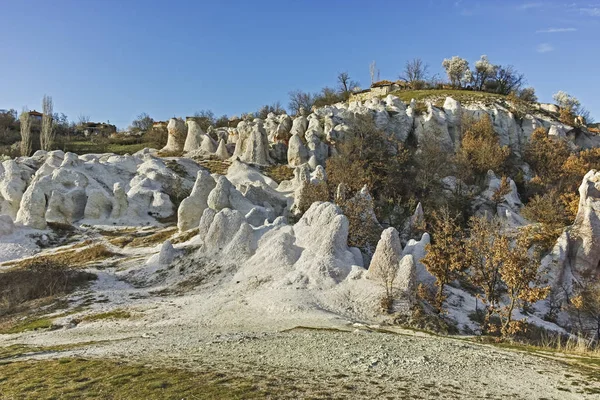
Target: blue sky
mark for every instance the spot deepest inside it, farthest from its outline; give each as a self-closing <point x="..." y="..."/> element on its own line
<point x="112" y="60"/>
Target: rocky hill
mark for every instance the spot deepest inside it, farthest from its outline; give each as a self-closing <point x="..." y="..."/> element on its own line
<point x="247" y="253"/>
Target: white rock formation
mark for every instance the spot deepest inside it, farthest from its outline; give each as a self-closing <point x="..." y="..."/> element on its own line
<point x="252" y="145"/>
<point x="205" y="221"/>
<point x="14" y="178"/>
<point x="221" y="151"/>
<point x="297" y="152"/>
<point x="192" y="207"/>
<point x="223" y="228"/>
<point x="167" y="253"/>
<point x="177" y="136"/>
<point x="510" y="199"/>
<point x="417" y="250"/>
<point x="194" y="137"/>
<point x="406" y="279"/>
<point x="322" y="233"/>
<point x="66" y="188"/>
<point x="585" y="240"/>
<point x="386" y="259"/>
<point x="208" y="145"/>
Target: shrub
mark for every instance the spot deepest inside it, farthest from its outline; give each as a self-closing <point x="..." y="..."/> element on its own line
<point x="480" y="149"/>
<point x="520" y="275"/>
<point x="484" y="249"/>
<point x="528" y="95"/>
<point x="546" y="156"/>
<point x="503" y="190"/>
<point x="363" y="231"/>
<point x="328" y="96"/>
<point x="549" y="211"/>
<point x="310" y="193"/>
<point x="585" y="305"/>
<point x="369" y="157"/>
<point x="445" y="257"/>
<point x="39" y="279"/>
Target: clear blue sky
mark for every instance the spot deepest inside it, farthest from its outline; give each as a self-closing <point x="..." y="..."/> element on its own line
<point x="112" y="60"/>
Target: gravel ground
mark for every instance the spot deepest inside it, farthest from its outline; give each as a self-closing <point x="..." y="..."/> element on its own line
<point x="357" y="363"/>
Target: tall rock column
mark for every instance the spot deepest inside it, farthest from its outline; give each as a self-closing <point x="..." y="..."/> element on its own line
<point x="585" y="238"/>
<point x="177" y="136"/>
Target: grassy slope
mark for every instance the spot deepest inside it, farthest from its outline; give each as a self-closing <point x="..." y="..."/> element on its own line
<point x="76" y="378"/>
<point x="87" y="147"/>
<point x="463" y="96"/>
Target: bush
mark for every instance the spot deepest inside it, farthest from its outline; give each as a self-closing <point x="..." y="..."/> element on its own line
<point x="480" y="149"/>
<point x="445" y="257"/>
<point x="550" y="212"/>
<point x="363" y="231"/>
<point x="546" y="156"/>
<point x="369" y="157"/>
<point x="156" y="138"/>
<point x="528" y="95"/>
<point x="310" y="193"/>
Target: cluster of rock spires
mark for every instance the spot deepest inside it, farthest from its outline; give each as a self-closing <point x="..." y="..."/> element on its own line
<point x="294" y="141"/>
<point x="54" y="187"/>
<point x="244" y="214"/>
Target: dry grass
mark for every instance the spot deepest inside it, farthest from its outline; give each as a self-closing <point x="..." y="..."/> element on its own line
<point x="77" y="257"/>
<point x="215" y="166"/>
<point x="142" y="239"/>
<point x="28" y="292"/>
<point x="19" y="350"/>
<point x="170" y="153"/>
<point x="420" y="108"/>
<point x="185" y="236"/>
<point x="572" y="345"/>
<point x="279" y="172"/>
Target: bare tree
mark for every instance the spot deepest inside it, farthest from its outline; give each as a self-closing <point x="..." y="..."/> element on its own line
<point x="143" y="123"/>
<point x="48" y="133"/>
<point x="83" y="119"/>
<point x="415" y="70"/>
<point x="300" y="99"/>
<point x="346" y="84"/>
<point x="275" y="108"/>
<point x="373" y="71"/>
<point x="205" y="118"/>
<point x="507" y="80"/>
<point x="26" y="145"/>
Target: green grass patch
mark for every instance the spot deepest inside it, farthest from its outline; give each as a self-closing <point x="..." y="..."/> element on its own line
<point x="114" y="314"/>
<point x="76" y="378"/>
<point x="17" y="350"/>
<point x="87" y="147"/>
<point x="29" y="324"/>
